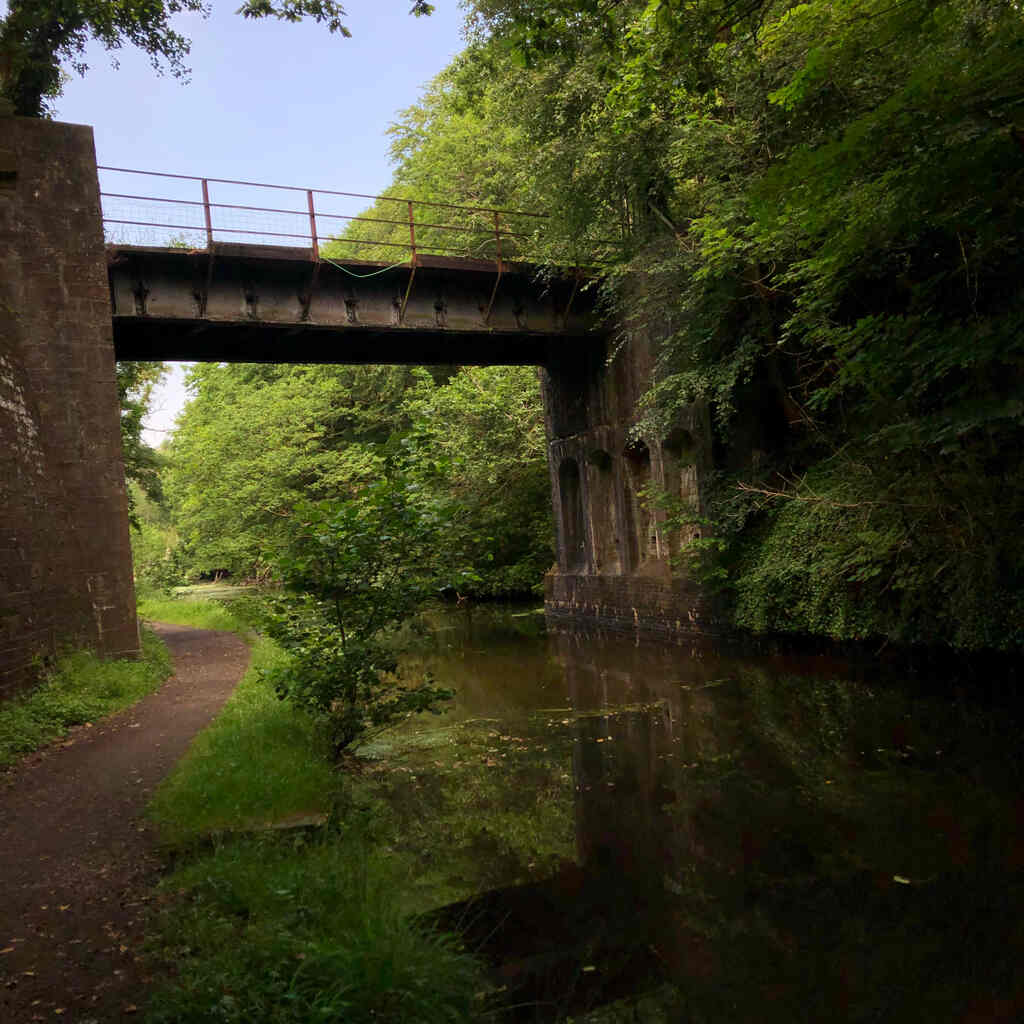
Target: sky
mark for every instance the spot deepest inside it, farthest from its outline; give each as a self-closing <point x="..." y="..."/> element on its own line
<point x="267" y="102"/>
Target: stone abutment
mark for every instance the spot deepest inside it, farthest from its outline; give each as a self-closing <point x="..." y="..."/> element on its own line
<point x="618" y="497"/>
<point x="65" y="556"/>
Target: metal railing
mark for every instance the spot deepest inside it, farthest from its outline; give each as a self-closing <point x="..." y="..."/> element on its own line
<point x="196" y="212"/>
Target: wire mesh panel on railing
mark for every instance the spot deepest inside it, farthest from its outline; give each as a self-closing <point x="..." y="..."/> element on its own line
<point x="191" y="212"/>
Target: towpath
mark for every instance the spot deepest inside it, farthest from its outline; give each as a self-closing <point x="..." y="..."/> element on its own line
<point x="78" y="861"/>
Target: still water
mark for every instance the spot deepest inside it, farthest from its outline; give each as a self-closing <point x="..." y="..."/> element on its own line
<point x="664" y="832"/>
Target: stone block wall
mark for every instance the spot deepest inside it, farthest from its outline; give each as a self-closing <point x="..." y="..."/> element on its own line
<point x="617" y="557"/>
<point x="65" y="556"/>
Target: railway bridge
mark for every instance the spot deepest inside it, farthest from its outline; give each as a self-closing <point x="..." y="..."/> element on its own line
<point x="96" y="268"/>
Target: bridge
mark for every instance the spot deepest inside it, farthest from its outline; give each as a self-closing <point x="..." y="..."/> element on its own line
<point x="224" y="287"/>
<point x="204" y="272"/>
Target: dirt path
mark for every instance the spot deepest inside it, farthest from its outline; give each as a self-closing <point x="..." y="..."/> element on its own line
<point x="77" y="860"/>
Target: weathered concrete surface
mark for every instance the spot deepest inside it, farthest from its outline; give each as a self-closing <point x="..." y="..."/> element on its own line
<point x="617" y="559"/>
<point x="65" y="559"/>
<point x="252" y="303"/>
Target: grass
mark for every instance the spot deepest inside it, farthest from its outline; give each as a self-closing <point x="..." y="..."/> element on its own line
<point x="287" y="926"/>
<point x="296" y="930"/>
<point x="80" y="688"/>
<point x="186" y="611"/>
<point x="261" y="760"/>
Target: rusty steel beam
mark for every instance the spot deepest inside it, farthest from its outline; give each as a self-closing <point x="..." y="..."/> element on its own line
<point x="258" y="303"/>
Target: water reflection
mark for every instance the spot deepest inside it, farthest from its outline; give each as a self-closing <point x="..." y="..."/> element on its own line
<point x="821" y="846"/>
<point x="716" y="838"/>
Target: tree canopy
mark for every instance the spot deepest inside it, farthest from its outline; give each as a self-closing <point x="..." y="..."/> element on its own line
<point x="816" y="212"/>
<point x="256" y="442"/>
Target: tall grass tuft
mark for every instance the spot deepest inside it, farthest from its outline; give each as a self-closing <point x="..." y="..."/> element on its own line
<point x="80" y="688"/>
<point x="290" y="930"/>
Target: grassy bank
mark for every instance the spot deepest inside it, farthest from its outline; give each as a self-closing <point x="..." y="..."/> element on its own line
<point x="259" y="762"/>
<point x="189" y="611"/>
<point x="283" y="906"/>
<point x="80" y="688"/>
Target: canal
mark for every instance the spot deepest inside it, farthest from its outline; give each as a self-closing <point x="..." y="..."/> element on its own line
<point x="642" y="831"/>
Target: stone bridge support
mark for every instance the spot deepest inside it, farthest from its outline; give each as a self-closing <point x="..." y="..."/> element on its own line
<point x="65" y="557"/>
<point x="618" y="559"/>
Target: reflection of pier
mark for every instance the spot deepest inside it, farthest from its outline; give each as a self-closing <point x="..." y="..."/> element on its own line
<point x="609" y="927"/>
<point x="636" y="729"/>
<point x="561" y="946"/>
<point x="760" y="839"/>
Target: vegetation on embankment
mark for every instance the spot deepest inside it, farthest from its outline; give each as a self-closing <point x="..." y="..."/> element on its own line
<point x="814" y="210"/>
<point x="80" y="688"/>
<point x="470" y="440"/>
<point x="260" y="761"/>
<point x="308" y="920"/>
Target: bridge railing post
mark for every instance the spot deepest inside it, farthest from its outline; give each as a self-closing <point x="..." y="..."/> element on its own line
<point x="312" y="225"/>
<point x="206" y="215"/>
<point x="412" y="234"/>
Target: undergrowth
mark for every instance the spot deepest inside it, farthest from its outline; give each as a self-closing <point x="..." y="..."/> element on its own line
<point x="291" y="929"/>
<point x="80" y="688"/>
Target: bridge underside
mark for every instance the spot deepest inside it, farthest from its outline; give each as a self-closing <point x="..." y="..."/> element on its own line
<point x="260" y="342"/>
<point x="240" y="303"/>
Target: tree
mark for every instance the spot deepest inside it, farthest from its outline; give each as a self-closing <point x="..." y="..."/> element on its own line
<point x="476" y="447"/>
<point x="818" y="214"/>
<point x="135" y="384"/>
<point x="353" y="570"/>
<point x="37" y="36"/>
<point x="255" y="441"/>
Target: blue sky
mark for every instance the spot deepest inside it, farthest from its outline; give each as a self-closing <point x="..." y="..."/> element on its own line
<point x="267" y="102"/>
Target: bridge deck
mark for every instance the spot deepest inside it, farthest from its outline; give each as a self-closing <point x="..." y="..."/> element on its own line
<point x="248" y="303"/>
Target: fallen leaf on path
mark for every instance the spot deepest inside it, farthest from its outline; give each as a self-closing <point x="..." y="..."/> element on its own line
<point x="7" y="949"/>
